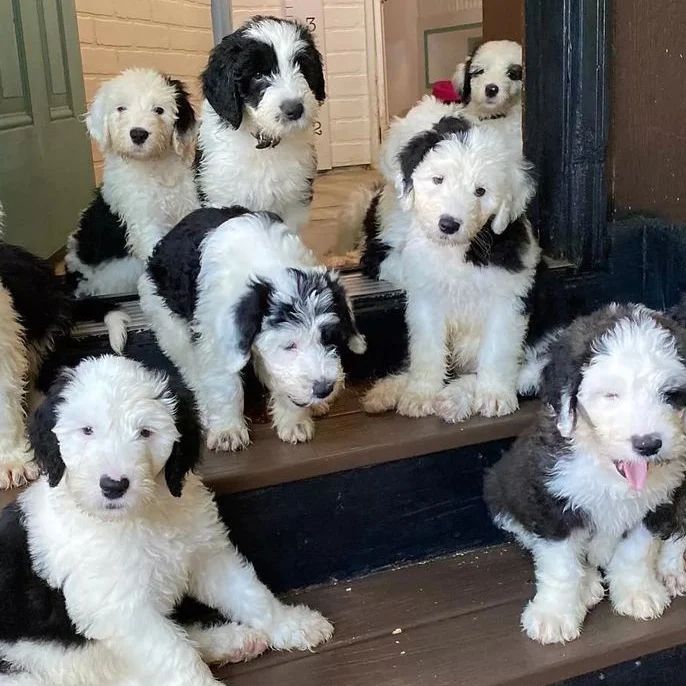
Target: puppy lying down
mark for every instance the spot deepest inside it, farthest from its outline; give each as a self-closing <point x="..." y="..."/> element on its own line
<point x="114" y="560"/>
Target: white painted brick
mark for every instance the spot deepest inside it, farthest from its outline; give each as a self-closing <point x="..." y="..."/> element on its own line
<point x="86" y="29"/>
<point x="113" y="32"/>
<point x="350" y="130"/>
<point x="348" y="108"/>
<point x="150" y="35"/>
<point x="346" y="63"/>
<point x="348" y="154"/>
<point x="344" y="40"/>
<point x="355" y="84"/>
<point x="133" y="9"/>
<point x="344" y="16"/>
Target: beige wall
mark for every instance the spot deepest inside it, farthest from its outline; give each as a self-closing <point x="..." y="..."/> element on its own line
<point x="348" y="81"/>
<point x="171" y="35"/>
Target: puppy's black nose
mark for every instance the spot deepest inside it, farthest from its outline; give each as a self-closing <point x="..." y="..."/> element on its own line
<point x="646" y="445"/>
<point x="113" y="489"/>
<point x="138" y="135"/>
<point x="491" y="90"/>
<point x="293" y="109"/>
<point x="448" y="225"/>
<point x="322" y="389"/>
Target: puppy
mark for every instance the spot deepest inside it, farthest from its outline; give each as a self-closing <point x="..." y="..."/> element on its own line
<point x="34" y="310"/>
<point x="99" y="554"/>
<point x="145" y="125"/>
<point x="263" y="86"/>
<point x="226" y="285"/>
<point x="490" y="81"/>
<point x="453" y="233"/>
<point x="607" y="448"/>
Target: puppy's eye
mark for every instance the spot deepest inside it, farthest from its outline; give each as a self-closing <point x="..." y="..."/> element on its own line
<point x="610" y="396"/>
<point x="144" y="433"/>
<point x="514" y="73"/>
<point x="291" y="347"/>
<point x="121" y="108"/>
<point x="476" y="72"/>
<point x="87" y="430"/>
<point x="438" y="180"/>
<point x="159" y="110"/>
<point x="676" y="397"/>
<point x="479" y="192"/>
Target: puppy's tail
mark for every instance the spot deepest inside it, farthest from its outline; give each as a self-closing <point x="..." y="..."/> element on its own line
<point x="352" y="216"/>
<point x="115" y="319"/>
<point x="536" y="357"/>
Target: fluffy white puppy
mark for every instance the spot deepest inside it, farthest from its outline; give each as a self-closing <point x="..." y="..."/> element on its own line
<point x="263" y="85"/>
<point x="452" y="232"/>
<point x="145" y="125"/>
<point x="110" y="558"/>
<point x="490" y="81"/>
<point x="227" y="285"/>
<point x="607" y="448"/>
<point x="33" y="312"/>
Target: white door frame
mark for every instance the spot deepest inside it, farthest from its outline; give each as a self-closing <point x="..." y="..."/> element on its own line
<point x="222" y="24"/>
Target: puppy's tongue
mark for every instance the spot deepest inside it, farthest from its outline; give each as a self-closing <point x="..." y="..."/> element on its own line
<point x="635" y="473"/>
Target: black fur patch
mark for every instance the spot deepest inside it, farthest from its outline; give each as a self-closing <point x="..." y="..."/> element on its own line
<point x="669" y="519"/>
<point x="185" y="115"/>
<point x="175" y="262"/>
<point x="310" y="62"/>
<point x="419" y="146"/>
<point x="185" y="454"/>
<point x="515" y="72"/>
<point x="466" y="94"/>
<point x="37" y="294"/>
<point x="101" y="234"/>
<point x="250" y="311"/>
<point x="190" y="612"/>
<point x="516" y="485"/>
<point x="29" y="608"/>
<point x="375" y="250"/>
<point x="506" y="250"/>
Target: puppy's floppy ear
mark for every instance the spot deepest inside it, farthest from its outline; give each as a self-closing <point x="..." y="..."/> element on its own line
<point x="185" y="127"/>
<point x="245" y="321"/>
<point x="465" y="89"/>
<point x="459" y="77"/>
<point x="522" y="188"/>
<point x="353" y="338"/>
<point x="46" y="447"/>
<point x="97" y="120"/>
<point x="221" y="78"/>
<point x="310" y="62"/>
<point x="185" y="454"/>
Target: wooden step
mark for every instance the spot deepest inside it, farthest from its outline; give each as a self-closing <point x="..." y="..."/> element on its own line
<point x="451" y="622"/>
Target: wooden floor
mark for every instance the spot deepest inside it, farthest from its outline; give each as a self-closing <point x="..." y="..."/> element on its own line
<point x="451" y="622"/>
<point x="332" y="191"/>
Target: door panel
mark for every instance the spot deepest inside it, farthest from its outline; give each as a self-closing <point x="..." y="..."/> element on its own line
<point x="46" y="171"/>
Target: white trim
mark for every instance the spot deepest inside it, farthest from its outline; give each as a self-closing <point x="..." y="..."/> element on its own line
<point x="376" y="122"/>
<point x="380" y="69"/>
<point x="222" y="24"/>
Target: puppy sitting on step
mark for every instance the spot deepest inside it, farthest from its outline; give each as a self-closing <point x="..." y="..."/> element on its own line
<point x="607" y="448"/>
<point x="227" y="285"/>
<point x="111" y="559"/>
<point x="145" y="125"/>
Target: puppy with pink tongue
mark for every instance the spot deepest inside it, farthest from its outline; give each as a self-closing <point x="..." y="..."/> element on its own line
<point x="608" y="448"/>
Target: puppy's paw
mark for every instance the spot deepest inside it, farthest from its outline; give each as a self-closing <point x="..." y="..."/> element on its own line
<point x="299" y="431"/>
<point x="593" y="590"/>
<point x="384" y="394"/>
<point x="320" y="409"/>
<point x="230" y="643"/>
<point x="17" y="468"/>
<point x="297" y="627"/>
<point x="228" y="439"/>
<point x="671" y="569"/>
<point x="455" y="402"/>
<point x="647" y="600"/>
<point x="495" y="400"/>
<point x="546" y="625"/>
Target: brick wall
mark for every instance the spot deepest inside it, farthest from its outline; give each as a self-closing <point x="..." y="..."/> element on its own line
<point x="171" y="35"/>
<point x="348" y="80"/>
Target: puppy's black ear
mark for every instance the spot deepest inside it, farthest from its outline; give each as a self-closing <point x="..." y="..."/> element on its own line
<point x="185" y="454"/>
<point x="351" y="335"/>
<point x="250" y="311"/>
<point x="45" y="446"/>
<point x="310" y="62"/>
<point x="466" y="93"/>
<point x="221" y="78"/>
<point x="185" y="124"/>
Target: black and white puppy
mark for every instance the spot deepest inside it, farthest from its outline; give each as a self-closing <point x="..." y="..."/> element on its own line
<point x="34" y="310"/>
<point x="450" y="228"/>
<point x="145" y="125"/>
<point x="607" y="448"/>
<point x="99" y="553"/>
<point x="227" y="285"/>
<point x="263" y="85"/>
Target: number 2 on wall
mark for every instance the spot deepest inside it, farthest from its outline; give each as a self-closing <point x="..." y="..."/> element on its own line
<point x="318" y="128"/>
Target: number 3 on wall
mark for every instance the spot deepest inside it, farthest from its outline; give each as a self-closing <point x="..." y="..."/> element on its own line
<point x="311" y="23"/>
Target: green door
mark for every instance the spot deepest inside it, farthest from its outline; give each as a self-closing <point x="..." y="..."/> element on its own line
<point x="46" y="171"/>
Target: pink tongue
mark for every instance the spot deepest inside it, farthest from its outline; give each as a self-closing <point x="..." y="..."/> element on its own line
<point x="636" y="473"/>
